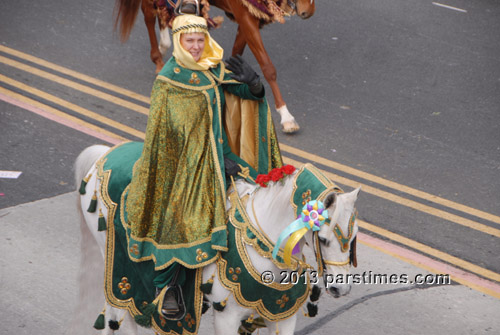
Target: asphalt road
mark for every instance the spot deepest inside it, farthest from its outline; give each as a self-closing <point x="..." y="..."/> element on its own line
<point x="405" y="91"/>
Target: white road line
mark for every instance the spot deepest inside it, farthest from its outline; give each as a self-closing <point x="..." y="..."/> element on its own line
<point x="449" y="7"/>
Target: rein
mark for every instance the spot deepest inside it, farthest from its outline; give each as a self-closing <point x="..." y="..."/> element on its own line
<point x="317" y="241"/>
<point x="343" y="241"/>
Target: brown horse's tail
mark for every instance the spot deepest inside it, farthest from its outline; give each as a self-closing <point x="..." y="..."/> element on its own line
<point x="125" y="13"/>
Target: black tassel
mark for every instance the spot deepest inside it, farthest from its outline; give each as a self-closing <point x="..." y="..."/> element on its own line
<point x="101" y="223"/>
<point x="205" y="307"/>
<point x="99" y="322"/>
<point x="93" y="203"/>
<point x="114" y="325"/>
<point x="243" y="331"/>
<point x="219" y="306"/>
<point x="207" y="287"/>
<point x="246" y="325"/>
<point x="144" y="320"/>
<point x="312" y="310"/>
<point x="315" y="293"/>
<point x="83" y="184"/>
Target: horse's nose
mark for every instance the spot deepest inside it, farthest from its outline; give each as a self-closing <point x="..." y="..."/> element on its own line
<point x="338" y="291"/>
<point x="334" y="291"/>
<point x="305" y="15"/>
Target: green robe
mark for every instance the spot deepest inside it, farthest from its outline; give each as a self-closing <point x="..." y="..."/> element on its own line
<point x="176" y="201"/>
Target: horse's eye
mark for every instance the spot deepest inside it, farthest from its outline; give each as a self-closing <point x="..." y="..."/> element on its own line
<point x="323" y="241"/>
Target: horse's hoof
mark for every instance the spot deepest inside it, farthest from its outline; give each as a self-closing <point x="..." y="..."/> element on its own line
<point x="158" y="68"/>
<point x="290" y="127"/>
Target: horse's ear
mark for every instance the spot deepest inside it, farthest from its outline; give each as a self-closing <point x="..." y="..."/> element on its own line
<point x="330" y="199"/>
<point x="355" y="193"/>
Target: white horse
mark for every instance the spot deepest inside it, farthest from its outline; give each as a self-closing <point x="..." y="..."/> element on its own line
<point x="268" y="208"/>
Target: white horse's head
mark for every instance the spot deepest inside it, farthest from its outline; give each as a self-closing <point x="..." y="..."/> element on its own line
<point x="333" y="245"/>
<point x="337" y="242"/>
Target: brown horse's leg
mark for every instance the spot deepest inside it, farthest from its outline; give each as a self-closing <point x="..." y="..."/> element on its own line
<point x="239" y="43"/>
<point x="150" y="20"/>
<point x="249" y="28"/>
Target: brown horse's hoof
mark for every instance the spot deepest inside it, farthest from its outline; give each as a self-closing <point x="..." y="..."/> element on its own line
<point x="159" y="67"/>
<point x="290" y="127"/>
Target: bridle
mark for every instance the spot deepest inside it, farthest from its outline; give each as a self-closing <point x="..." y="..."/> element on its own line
<point x="293" y="4"/>
<point x="318" y="241"/>
<point x="344" y="245"/>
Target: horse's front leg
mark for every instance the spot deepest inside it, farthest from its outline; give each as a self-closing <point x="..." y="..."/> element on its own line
<point x="285" y="327"/>
<point x="249" y="27"/>
<point x="128" y="325"/>
<point x="150" y="20"/>
<point x="228" y="321"/>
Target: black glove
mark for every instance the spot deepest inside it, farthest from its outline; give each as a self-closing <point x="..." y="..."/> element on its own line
<point x="242" y="71"/>
<point x="231" y="167"/>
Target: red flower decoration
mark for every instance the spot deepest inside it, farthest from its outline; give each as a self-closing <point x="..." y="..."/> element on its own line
<point x="288" y="169"/>
<point x="262" y="180"/>
<point x="274" y="175"/>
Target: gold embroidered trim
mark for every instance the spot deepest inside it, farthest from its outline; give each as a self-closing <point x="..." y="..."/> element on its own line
<point x="242" y="239"/>
<point x="173" y="247"/>
<point x="212" y="139"/>
<point x="330" y="186"/>
<point x="258" y="305"/>
<point x="189" y="87"/>
<point x="129" y="304"/>
<point x="110" y="239"/>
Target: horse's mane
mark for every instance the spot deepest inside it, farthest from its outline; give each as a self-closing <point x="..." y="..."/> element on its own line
<point x="275" y="195"/>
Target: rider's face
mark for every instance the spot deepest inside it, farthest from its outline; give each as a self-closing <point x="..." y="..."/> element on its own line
<point x="194" y="43"/>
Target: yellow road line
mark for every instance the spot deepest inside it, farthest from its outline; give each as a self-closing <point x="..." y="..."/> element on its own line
<point x="76" y="86"/>
<point x="59" y="114"/>
<point x="366" y="188"/>
<point x="430" y="251"/>
<point x="391" y="184"/>
<point x="73" y="107"/>
<point x="284" y="147"/>
<point x="380" y="231"/>
<point x="409" y="203"/>
<point x="75" y="74"/>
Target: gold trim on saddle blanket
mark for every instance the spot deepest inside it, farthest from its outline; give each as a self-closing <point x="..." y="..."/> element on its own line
<point x="128" y="304"/>
<point x="241" y="241"/>
<point x="327" y="183"/>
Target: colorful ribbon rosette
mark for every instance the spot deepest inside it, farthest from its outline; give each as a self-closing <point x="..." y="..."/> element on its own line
<point x="313" y="216"/>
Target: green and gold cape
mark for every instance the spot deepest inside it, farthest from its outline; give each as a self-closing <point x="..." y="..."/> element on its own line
<point x="176" y="201"/>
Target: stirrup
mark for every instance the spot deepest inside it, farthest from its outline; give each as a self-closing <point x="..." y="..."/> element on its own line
<point x="173" y="307"/>
<point x="179" y="10"/>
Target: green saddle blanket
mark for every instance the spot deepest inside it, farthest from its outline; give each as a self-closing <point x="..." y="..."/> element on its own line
<point x="129" y="285"/>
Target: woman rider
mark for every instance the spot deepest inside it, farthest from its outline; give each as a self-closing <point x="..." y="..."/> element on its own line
<point x="175" y="206"/>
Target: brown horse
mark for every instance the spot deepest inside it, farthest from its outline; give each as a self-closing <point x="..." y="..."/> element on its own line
<point x="249" y="20"/>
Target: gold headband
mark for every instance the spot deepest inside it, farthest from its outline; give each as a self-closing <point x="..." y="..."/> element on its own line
<point x="191" y="28"/>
